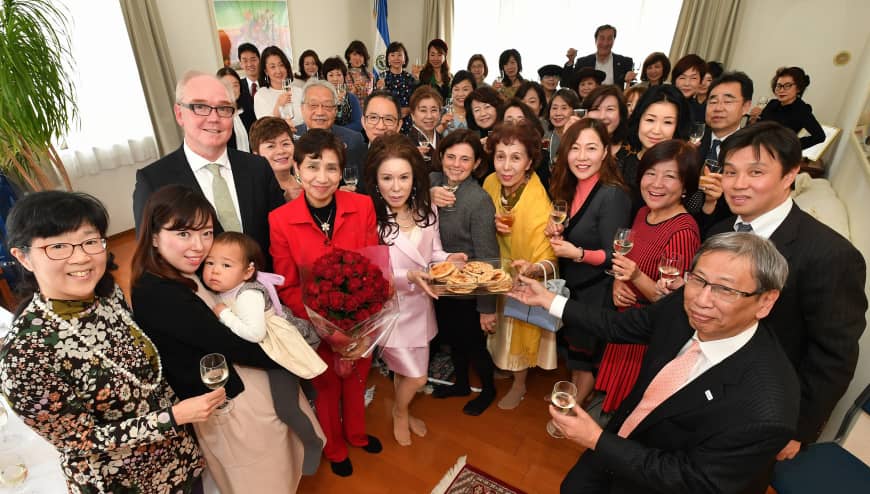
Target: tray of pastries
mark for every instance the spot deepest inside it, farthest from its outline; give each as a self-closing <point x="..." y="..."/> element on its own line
<point x="472" y="277"/>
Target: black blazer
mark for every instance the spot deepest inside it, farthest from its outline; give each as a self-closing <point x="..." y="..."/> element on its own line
<point x="621" y="66"/>
<point x="819" y="316"/>
<point x="246" y="103"/>
<point x="257" y="190"/>
<point x="719" y="433"/>
<point x="184" y="330"/>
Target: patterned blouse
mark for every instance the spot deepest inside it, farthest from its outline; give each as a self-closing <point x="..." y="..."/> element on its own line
<point x="401" y="85"/>
<point x="360" y="82"/>
<point x="82" y="376"/>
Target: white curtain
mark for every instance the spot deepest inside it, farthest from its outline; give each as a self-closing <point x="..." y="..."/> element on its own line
<point x="706" y="28"/>
<point x="84" y="161"/>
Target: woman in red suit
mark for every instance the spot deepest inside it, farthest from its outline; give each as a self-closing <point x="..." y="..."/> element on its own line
<point x="321" y="219"/>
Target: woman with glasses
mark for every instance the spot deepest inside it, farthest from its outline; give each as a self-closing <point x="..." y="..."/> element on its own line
<point x="789" y="109"/>
<point x="274" y="98"/>
<point x="399" y="82"/>
<point x="477" y="66"/>
<point x="79" y="371"/>
<point x="349" y="113"/>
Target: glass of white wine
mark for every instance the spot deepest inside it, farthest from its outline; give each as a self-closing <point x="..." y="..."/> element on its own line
<point x="559" y="212"/>
<point x="350" y="176"/>
<point x="215" y="372"/>
<point x="563" y="397"/>
<point x="451" y="187"/>
<point x="623" y="241"/>
<point x="13" y="472"/>
<point x="669" y="267"/>
<point x="286" y="110"/>
<point x="697" y="133"/>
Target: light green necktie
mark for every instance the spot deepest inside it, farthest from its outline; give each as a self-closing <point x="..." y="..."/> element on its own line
<point x="223" y="201"/>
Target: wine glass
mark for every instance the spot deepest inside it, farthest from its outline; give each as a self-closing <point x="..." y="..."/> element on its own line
<point x="713" y="165"/>
<point x="424" y="142"/>
<point x="563" y="397"/>
<point x="13" y="472"/>
<point x="580" y="112"/>
<point x="763" y="101"/>
<point x="286" y="110"/>
<point x="341" y="89"/>
<point x="214" y="372"/>
<point x="623" y="241"/>
<point x="451" y="187"/>
<point x="669" y="267"/>
<point x="350" y="176"/>
<point x="559" y="212"/>
<point x="697" y="133"/>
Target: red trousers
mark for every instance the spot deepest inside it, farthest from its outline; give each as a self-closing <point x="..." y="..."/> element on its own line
<point x="340" y="405"/>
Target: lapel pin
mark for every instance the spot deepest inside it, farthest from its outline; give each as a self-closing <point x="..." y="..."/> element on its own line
<point x="709" y="395"/>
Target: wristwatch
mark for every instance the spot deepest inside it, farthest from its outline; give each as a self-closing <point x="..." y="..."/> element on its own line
<point x="582" y="255"/>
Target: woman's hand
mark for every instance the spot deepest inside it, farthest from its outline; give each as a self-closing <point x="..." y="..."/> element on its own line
<point x="415" y="71"/>
<point x="623" y="296"/>
<point x="284" y="98"/>
<point x="422" y="279"/>
<point x="501" y="226"/>
<point x="488" y="322"/>
<point x="754" y="113"/>
<point x="381" y="84"/>
<point x="442" y="197"/>
<point x="624" y="268"/>
<point x="198" y="408"/>
<point x="711" y="185"/>
<point x="564" y="248"/>
<point x="445" y="120"/>
<point x="458" y="257"/>
<point x="554" y="230"/>
<point x="424" y="150"/>
<point x="497" y="85"/>
<point x="348" y="188"/>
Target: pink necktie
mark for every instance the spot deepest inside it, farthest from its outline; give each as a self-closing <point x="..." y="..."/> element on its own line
<point x="253" y="89"/>
<point x="667" y="382"/>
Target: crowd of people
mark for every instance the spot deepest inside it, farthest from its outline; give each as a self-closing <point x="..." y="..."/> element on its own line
<point x="716" y="354"/>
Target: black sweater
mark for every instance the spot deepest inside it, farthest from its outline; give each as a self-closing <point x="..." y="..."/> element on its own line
<point x="796" y="116"/>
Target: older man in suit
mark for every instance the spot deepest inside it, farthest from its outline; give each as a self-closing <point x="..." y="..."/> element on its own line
<point x="819" y="317"/>
<point x="617" y="68"/>
<point x="716" y="395"/>
<point x="241" y="186"/>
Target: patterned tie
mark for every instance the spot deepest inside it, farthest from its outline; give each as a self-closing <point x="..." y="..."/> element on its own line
<point x="744" y="227"/>
<point x="253" y="89"/>
<point x="223" y="201"/>
<point x="667" y="382"/>
<point x="713" y="154"/>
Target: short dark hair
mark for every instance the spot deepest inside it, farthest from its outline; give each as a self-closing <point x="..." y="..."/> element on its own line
<point x="463" y="75"/>
<point x="528" y="114"/>
<point x="504" y="133"/>
<point x="503" y="60"/>
<point x="385" y="94"/>
<point x="781" y="142"/>
<point x="563" y="184"/>
<point x="333" y="63"/>
<point x="464" y="136"/>
<point x="605" y="27"/>
<point x="314" y="142"/>
<point x="746" y="86"/>
<point x="653" y="58"/>
<point x="800" y="78"/>
<point x="305" y="54"/>
<point x="247" y="47"/>
<point x="267" y="128"/>
<point x="715" y="69"/>
<point x="527" y="86"/>
<point x="251" y="250"/>
<point x="229" y="71"/>
<point x="683" y="153"/>
<point x="396" y="46"/>
<point x="49" y="214"/>
<point x="484" y="94"/>
<point x="690" y="61"/>
<point x="595" y="98"/>
<point x="263" y="79"/>
<point x="357" y="46"/>
<point x="569" y="96"/>
<point x="663" y="93"/>
<point x="478" y="57"/>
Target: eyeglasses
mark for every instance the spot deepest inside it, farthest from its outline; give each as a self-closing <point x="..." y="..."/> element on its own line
<point x="787" y="85"/>
<point x="325" y="106"/>
<point x="62" y="250"/>
<point x="721" y="292"/>
<point x="204" y="110"/>
<point x="374" y="118"/>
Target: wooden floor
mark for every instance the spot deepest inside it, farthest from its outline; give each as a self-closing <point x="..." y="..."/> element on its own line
<point x="510" y="445"/>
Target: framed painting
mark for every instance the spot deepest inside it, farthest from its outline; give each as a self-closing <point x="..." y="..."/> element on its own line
<point x="260" y="22"/>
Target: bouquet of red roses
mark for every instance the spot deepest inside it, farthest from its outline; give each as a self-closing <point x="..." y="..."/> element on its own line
<point x="350" y="300"/>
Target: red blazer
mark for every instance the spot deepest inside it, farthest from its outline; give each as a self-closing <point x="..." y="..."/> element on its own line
<point x="296" y="241"/>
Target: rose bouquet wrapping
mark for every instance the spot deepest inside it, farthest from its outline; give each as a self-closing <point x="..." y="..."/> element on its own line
<point x="351" y="302"/>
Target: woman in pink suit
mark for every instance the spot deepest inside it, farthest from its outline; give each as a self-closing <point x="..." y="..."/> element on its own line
<point x="302" y="231"/>
<point x="408" y="224"/>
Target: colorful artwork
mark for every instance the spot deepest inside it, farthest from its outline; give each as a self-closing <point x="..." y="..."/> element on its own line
<point x="261" y="22"/>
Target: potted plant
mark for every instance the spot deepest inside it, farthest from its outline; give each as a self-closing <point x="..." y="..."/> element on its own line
<point x="37" y="99"/>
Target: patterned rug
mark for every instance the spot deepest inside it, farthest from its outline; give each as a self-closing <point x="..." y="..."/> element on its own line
<point x="463" y="478"/>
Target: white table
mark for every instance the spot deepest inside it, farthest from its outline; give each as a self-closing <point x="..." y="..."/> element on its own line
<point x="42" y="460"/>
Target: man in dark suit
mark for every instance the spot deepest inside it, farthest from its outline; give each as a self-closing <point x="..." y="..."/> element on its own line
<point x="243" y="191"/>
<point x="716" y="395"/>
<point x="319" y="108"/>
<point x="617" y="68"/>
<point x="249" y="59"/>
<point x="819" y="317"/>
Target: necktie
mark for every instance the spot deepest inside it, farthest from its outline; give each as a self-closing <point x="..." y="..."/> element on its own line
<point x="253" y="89"/>
<point x="713" y="154"/>
<point x="744" y="227"/>
<point x="223" y="201"/>
<point x="667" y="382"/>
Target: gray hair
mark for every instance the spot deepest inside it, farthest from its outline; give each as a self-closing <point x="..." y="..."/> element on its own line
<point x="193" y="74"/>
<point x="317" y="82"/>
<point x="769" y="267"/>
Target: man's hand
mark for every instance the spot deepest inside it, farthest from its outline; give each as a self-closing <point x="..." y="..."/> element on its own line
<point x="578" y="427"/>
<point x="532" y="292"/>
<point x="571" y="54"/>
<point x="789" y="451"/>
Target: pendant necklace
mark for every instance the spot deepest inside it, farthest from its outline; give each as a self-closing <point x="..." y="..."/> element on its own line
<point x="324" y="225"/>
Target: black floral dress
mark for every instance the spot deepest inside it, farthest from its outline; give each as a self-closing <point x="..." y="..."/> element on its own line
<point x="401" y="85"/>
<point x="83" y="376"/>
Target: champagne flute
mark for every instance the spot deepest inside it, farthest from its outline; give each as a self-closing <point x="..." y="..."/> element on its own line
<point x="341" y="89"/>
<point x="697" y="133"/>
<point x="563" y="397"/>
<point x="286" y="110"/>
<point x="623" y="241"/>
<point x="559" y="212"/>
<point x="763" y="101"/>
<point x="669" y="267"/>
<point x="215" y="373"/>
<point x="713" y="165"/>
<point x="350" y="176"/>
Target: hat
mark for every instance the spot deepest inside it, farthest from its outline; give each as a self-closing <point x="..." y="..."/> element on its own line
<point x="581" y="74"/>
<point x="550" y="70"/>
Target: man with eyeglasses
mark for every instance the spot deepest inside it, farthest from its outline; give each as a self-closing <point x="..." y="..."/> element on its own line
<point x="716" y="396"/>
<point x="381" y="113"/>
<point x="241" y="186"/>
<point x="820" y="315"/>
<point x="319" y="109"/>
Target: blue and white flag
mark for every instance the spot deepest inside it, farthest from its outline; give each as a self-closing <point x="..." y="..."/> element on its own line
<point x="382" y="36"/>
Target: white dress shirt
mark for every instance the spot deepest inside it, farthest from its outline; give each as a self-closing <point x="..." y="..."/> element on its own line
<point x="767" y="223"/>
<point x="204" y="177"/>
<point x="266" y="98"/>
<point x="607" y="68"/>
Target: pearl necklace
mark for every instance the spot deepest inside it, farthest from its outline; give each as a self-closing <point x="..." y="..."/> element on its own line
<point x="72" y="327"/>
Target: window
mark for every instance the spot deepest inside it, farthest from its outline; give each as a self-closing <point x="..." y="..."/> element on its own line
<point x="543" y="31"/>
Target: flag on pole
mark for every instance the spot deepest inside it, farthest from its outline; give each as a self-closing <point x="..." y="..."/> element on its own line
<point x="382" y="36"/>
